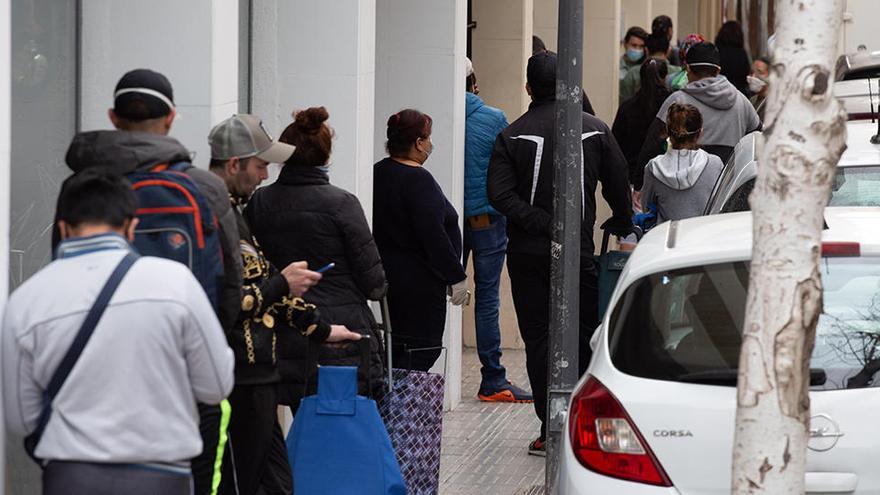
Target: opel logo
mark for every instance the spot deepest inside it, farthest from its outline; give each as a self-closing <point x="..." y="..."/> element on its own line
<point x="824" y="433"/>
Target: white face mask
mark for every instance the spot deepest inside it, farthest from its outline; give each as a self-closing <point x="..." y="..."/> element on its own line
<point x="756" y="84"/>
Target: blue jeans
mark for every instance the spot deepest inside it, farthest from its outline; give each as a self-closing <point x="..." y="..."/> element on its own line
<point x="488" y="245"/>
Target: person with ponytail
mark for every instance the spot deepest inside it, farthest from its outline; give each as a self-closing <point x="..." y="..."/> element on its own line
<point x="635" y="114"/>
<point x="302" y="216"/>
<point x="680" y="181"/>
<point x="418" y="236"/>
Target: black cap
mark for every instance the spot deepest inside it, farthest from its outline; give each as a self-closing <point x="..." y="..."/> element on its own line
<point x="143" y="94"/>
<point x="704" y="54"/>
<point x="541" y="75"/>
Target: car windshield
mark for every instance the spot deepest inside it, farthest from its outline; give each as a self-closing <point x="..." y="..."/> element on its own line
<point x="686" y="325"/>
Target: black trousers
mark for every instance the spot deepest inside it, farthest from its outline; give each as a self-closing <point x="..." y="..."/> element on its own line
<point x="530" y="287"/>
<point x="86" y="478"/>
<point x="204" y="467"/>
<point x="255" y="461"/>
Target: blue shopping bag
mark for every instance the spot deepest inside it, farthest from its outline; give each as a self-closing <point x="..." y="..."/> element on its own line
<point x="338" y="443"/>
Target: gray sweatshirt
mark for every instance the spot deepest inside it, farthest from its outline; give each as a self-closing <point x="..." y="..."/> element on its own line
<point x="679" y="183"/>
<point x="131" y="397"/>
<point x="727" y="114"/>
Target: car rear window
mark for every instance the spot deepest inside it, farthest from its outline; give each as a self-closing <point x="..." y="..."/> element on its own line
<point x="864" y="73"/>
<point x="685" y="325"/>
<point x="856" y="186"/>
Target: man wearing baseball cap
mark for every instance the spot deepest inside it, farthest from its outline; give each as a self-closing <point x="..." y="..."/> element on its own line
<point x="727" y="113"/>
<point x="143" y="111"/>
<point x="255" y="459"/>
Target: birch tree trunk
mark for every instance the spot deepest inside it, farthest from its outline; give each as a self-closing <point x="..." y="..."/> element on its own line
<point x="804" y="136"/>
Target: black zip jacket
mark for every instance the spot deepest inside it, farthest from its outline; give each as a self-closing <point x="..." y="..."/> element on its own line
<point x="524" y="151"/>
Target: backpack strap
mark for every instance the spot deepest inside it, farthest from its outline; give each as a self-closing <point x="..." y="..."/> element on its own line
<point x="76" y="349"/>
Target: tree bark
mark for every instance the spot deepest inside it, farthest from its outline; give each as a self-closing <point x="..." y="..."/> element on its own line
<point x="804" y="136"/>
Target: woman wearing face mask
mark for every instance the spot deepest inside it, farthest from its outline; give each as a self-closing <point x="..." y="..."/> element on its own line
<point x="304" y="217"/>
<point x="416" y="229"/>
<point x="758" y="80"/>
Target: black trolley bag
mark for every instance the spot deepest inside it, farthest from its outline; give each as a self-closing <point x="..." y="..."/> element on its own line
<point x="412" y="409"/>
<point x="610" y="264"/>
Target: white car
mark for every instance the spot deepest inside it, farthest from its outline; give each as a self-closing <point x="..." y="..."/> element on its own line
<point x="654" y="413"/>
<point x="857" y="182"/>
<point x="856" y="84"/>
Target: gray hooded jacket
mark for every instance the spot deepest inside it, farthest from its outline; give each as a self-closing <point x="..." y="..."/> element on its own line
<point x="727" y="114"/>
<point x="127" y="151"/>
<point x="679" y="183"/>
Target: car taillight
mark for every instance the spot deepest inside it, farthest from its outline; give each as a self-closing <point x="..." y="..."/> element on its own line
<point x="841" y="249"/>
<point x="606" y="440"/>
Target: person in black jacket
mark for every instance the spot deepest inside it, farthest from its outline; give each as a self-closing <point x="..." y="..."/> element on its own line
<point x="735" y="64"/>
<point x="255" y="459"/>
<point x="303" y="217"/>
<point x="520" y="186"/>
<point x="636" y="114"/>
<point x="417" y="233"/>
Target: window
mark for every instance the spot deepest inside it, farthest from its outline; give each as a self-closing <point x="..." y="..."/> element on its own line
<point x="686" y="325"/>
<point x="739" y="200"/>
<point x="44" y="113"/>
<point x="856" y="186"/>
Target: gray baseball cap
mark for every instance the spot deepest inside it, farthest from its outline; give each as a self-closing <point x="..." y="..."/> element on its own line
<point x="243" y="135"/>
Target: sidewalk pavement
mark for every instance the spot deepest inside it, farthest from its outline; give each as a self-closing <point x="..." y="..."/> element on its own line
<point x="485" y="445"/>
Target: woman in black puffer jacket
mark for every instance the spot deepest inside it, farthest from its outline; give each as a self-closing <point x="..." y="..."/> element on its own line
<point x="303" y="217"/>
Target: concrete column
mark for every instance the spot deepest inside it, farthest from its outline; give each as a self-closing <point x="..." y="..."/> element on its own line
<point x="636" y="13"/>
<point x="5" y="179"/>
<point x="502" y="37"/>
<point x="420" y="50"/>
<point x="194" y="43"/>
<point x="602" y="51"/>
<point x="546" y="22"/>
<point x="307" y="53"/>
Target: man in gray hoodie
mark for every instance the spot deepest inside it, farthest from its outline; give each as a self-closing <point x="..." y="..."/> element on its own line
<point x="727" y="113"/>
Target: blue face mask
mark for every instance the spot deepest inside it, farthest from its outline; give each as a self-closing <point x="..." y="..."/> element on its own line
<point x="325" y="169"/>
<point x="634" y="55"/>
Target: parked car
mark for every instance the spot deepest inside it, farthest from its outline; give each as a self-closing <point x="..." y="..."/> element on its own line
<point x="856" y="83"/>
<point x="654" y="413"/>
<point x="857" y="182"/>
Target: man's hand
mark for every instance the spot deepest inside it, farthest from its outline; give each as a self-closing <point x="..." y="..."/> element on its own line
<point x="299" y="277"/>
<point x="339" y="333"/>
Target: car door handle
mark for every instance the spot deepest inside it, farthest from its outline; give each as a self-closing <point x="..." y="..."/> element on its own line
<point x="831" y="482"/>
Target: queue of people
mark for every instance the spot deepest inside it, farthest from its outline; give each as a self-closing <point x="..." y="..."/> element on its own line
<point x="281" y="276"/>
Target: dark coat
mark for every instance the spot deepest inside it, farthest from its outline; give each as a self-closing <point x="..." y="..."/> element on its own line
<point x="524" y="152"/>
<point x="735" y="66"/>
<point x="302" y="217"/>
<point x="630" y="129"/>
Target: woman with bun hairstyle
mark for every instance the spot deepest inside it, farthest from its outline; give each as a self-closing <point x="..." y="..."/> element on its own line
<point x="680" y="181"/>
<point x="417" y="232"/>
<point x="304" y="217"/>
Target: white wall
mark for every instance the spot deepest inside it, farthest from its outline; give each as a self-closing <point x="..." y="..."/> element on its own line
<point x="193" y="43"/>
<point x="420" y="49"/>
<point x="308" y="53"/>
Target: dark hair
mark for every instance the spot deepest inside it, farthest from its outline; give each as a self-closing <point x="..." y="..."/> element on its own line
<point x="765" y="60"/>
<point x="217" y="164"/>
<point x="96" y="196"/>
<point x="541" y="75"/>
<point x="404" y="128"/>
<point x="537" y="45"/>
<point x="470" y="83"/>
<point x="730" y="34"/>
<point x="661" y="25"/>
<point x="683" y="125"/>
<point x="652" y="91"/>
<point x="637" y="32"/>
<point x="311" y="136"/>
<point x="657" y="43"/>
<point x="704" y="71"/>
